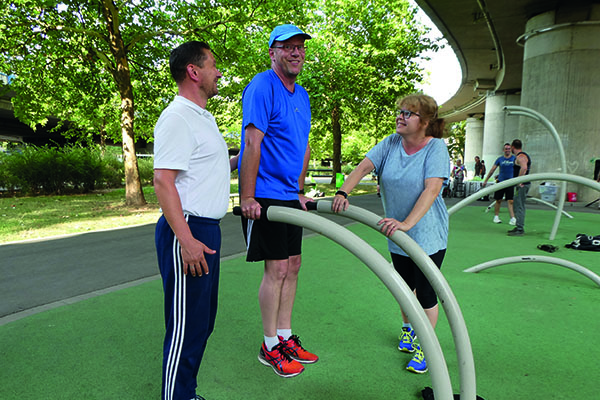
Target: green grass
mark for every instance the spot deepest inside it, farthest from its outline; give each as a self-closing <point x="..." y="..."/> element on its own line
<point x="45" y="216"/>
<point x="36" y="217"/>
<point x="533" y="327"/>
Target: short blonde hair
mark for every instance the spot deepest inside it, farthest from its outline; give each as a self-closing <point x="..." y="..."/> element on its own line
<point x="427" y="108"/>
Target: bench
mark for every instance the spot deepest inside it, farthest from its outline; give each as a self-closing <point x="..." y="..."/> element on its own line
<point x="320" y="172"/>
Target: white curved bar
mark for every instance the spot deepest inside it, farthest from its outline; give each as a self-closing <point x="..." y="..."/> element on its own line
<point x="456" y="320"/>
<point x="526" y="178"/>
<point x="546" y="203"/>
<point x="541" y="259"/>
<point x="440" y="378"/>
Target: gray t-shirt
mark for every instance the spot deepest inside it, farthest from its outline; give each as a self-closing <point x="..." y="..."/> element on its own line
<point x="402" y="180"/>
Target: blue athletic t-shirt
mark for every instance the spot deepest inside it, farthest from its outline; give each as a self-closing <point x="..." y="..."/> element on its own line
<point x="506" y="167"/>
<point x="284" y="118"/>
<point x="402" y="180"/>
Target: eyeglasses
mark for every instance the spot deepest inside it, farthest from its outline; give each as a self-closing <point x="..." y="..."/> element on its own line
<point x="291" y="47"/>
<point x="406" y="114"/>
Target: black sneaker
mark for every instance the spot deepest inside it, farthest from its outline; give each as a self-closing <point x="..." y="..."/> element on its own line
<point x="515" y="232"/>
<point x="198" y="397"/>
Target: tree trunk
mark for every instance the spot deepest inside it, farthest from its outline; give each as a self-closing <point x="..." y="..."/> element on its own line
<point x="134" y="196"/>
<point x="336" y="129"/>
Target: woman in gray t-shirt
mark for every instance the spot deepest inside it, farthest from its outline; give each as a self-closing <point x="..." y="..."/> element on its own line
<point x="413" y="166"/>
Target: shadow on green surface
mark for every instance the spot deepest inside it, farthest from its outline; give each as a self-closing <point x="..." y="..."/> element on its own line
<point x="533" y="327"/>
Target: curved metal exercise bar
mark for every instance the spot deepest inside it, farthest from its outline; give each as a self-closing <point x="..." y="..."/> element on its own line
<point x="541" y="259"/>
<point x="458" y="327"/>
<point x="546" y="203"/>
<point x="440" y="378"/>
<point x="514" y="181"/>
<point x="528" y="112"/>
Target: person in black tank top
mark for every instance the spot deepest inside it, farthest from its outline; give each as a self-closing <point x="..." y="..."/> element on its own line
<point x="522" y="167"/>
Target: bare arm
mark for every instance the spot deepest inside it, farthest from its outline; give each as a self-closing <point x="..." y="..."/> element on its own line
<point x="488" y="175"/>
<point x="340" y="202"/>
<point x="233" y="162"/>
<point x="250" y="162"/>
<point x="192" y="250"/>
<point x="433" y="186"/>
<point x="303" y="199"/>
<point x="522" y="163"/>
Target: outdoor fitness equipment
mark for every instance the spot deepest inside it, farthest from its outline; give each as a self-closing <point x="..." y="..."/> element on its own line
<point x="527" y="112"/>
<point x="458" y="327"/>
<point x="542" y="259"/>
<point x="544" y="202"/>
<point x="440" y="378"/>
<point x="526" y="178"/>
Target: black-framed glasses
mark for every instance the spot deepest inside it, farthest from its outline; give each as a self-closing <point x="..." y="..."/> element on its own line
<point x="406" y="114"/>
<point x="291" y="47"/>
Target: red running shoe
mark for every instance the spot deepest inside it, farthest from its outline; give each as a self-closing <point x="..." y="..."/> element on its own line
<point x="296" y="352"/>
<point x="281" y="363"/>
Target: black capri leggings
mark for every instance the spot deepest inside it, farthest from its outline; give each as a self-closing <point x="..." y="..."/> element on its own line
<point x="415" y="279"/>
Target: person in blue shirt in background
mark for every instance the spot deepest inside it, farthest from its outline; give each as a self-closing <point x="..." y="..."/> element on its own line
<point x="506" y="163"/>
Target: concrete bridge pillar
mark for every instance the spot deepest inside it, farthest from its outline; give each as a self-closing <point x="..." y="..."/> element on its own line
<point x="561" y="80"/>
<point x="498" y="128"/>
<point x="473" y="143"/>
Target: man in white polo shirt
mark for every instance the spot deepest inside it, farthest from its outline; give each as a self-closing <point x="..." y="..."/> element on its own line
<point x="191" y="180"/>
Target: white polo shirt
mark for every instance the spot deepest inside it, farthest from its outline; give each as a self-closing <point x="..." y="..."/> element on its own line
<point x="186" y="138"/>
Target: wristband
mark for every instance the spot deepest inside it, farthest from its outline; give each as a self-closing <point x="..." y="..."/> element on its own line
<point x="301" y="191"/>
<point x="342" y="193"/>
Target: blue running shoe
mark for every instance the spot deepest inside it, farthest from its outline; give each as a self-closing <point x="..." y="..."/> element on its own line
<point x="407" y="338"/>
<point x="417" y="364"/>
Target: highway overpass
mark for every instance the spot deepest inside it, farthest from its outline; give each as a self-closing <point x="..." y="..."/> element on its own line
<point x="539" y="54"/>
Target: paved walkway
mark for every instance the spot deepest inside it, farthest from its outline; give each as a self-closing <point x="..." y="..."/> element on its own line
<point x="40" y="275"/>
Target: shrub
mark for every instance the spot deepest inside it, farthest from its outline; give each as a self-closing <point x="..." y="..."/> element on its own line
<point x="146" y="168"/>
<point x="113" y="172"/>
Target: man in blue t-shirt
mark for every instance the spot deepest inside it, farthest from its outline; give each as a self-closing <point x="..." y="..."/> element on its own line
<point x="506" y="163"/>
<point x="273" y="161"/>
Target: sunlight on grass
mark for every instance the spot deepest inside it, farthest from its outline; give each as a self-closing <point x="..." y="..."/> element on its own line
<point x="25" y="218"/>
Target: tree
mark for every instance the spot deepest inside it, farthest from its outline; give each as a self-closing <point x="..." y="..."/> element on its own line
<point x="101" y="64"/>
<point x="362" y="57"/>
<point x="456" y="140"/>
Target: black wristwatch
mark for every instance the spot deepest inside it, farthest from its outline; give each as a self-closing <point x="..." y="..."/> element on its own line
<point x="301" y="191"/>
<point x="341" y="192"/>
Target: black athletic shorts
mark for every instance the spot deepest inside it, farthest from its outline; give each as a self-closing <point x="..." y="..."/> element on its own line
<point x="266" y="240"/>
<point x="508" y="193"/>
<point x="415" y="278"/>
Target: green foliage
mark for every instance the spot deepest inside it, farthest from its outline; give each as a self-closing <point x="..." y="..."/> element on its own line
<point x="53" y="170"/>
<point x="456" y="140"/>
<point x="362" y="57"/>
<point x="146" y="167"/>
<point x="68" y="64"/>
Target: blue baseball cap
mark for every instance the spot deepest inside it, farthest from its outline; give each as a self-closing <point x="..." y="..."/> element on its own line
<point x="284" y="32"/>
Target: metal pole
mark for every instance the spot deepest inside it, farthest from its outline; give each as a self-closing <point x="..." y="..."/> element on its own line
<point x="527" y="112"/>
<point x="458" y="327"/>
<point x="390" y="278"/>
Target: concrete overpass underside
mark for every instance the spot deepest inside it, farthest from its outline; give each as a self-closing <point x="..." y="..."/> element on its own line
<point x="539" y="54"/>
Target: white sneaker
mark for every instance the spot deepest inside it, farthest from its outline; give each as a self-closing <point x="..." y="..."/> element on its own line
<point x="497" y="220"/>
<point x="513" y="221"/>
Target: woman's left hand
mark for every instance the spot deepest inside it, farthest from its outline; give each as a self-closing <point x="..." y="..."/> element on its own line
<point x="390" y="225"/>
